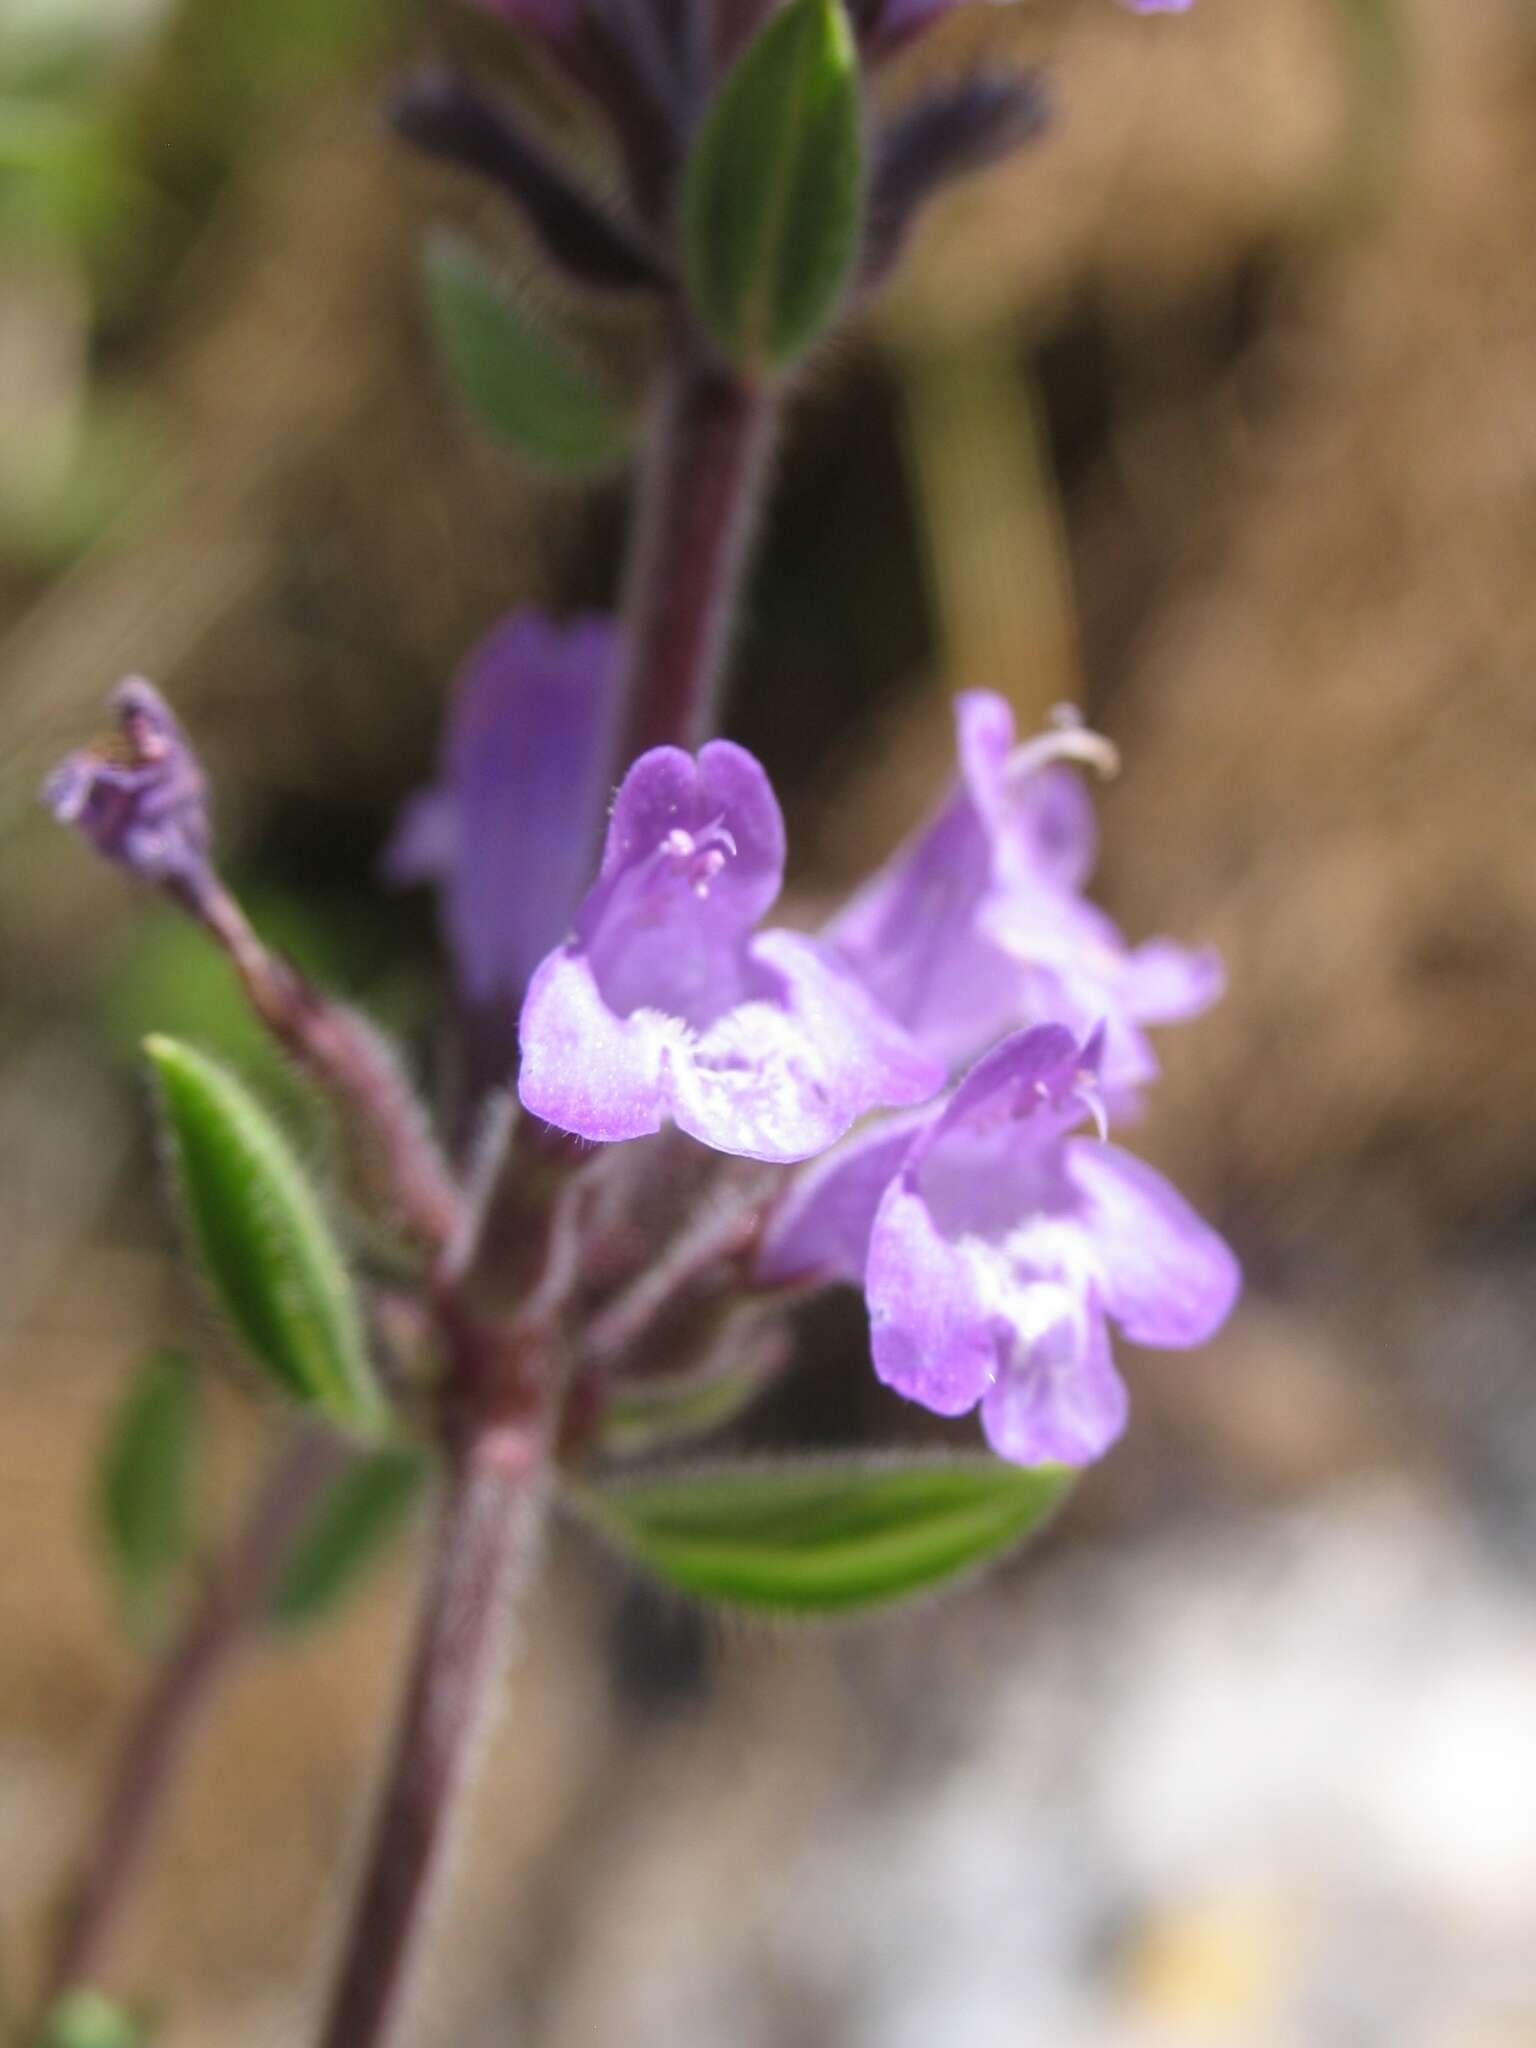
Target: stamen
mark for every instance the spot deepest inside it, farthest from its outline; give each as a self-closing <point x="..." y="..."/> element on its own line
<point x="1080" y="1091"/>
<point x="700" y="856"/>
<point x="1086" y="1091"/>
<point x="1067" y="740"/>
<point x="718" y="834"/>
<point x="705" y="869"/>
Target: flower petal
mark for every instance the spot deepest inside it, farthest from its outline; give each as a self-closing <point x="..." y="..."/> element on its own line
<point x="1167" y="1278"/>
<point x="1053" y="828"/>
<point x="695" y="855"/>
<point x="659" y="790"/>
<point x="822" y="1225"/>
<point x="1081" y="1005"/>
<point x="783" y="1074"/>
<point x="907" y="933"/>
<point x="524" y="762"/>
<point x="976" y="926"/>
<point x="727" y="790"/>
<point x="1030" y="1071"/>
<point x="933" y="1334"/>
<point x="583" y="1068"/>
<point x="779" y="1076"/>
<point x="984" y="736"/>
<point x="424" y="844"/>
<point x="1058" y="1399"/>
<point x="1039" y="818"/>
<point x="511" y="828"/>
<point x="1164" y="982"/>
<point x="734" y="791"/>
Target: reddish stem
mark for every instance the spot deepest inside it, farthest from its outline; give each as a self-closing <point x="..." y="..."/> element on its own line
<point x="689" y="551"/>
<point x="484" y="1551"/>
<point x="391" y="1160"/>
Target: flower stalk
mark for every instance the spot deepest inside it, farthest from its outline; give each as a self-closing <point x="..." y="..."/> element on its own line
<point x="391" y="1162"/>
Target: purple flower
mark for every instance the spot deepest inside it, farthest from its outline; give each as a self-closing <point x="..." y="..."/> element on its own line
<point x="666" y="1006"/>
<point x="141" y="798"/>
<point x="887" y="25"/>
<point x="509" y="830"/>
<point x="894" y="21"/>
<point x="995" y="1247"/>
<point x="978" y="923"/>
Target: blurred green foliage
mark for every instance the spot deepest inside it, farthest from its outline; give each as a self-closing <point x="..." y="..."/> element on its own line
<point x="119" y="123"/>
<point x="85" y="2019"/>
<point x="522" y="384"/>
<point x="348" y="1534"/>
<point x="144" y="1489"/>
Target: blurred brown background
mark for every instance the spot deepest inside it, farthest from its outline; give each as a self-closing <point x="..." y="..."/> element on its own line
<point x="1217" y="413"/>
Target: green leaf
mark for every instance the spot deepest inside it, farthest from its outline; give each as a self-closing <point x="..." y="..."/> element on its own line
<point x="824" y="1537"/>
<point x="146" y="1482"/>
<point x="648" y="1418"/>
<point x="773" y="201"/>
<point x="84" y="2019"/>
<point x="347" y="1533"/>
<point x="520" y="383"/>
<point x="264" y="1239"/>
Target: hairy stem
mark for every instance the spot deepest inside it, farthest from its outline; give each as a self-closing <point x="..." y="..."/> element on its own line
<point x="390" y="1159"/>
<point x="486" y="1539"/>
<point x="722" y="1230"/>
<point x="698" y="498"/>
<point x="223" y="1622"/>
<point x="502" y="1397"/>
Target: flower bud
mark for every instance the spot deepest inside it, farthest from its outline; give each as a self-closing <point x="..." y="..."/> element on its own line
<point x="447" y="117"/>
<point x="942" y="135"/>
<point x="140" y="797"/>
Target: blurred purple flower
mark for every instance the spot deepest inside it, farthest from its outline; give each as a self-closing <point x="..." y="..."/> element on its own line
<point x="893" y="21"/>
<point x="508" y="831"/>
<point x="978" y="924"/>
<point x="994" y="1247"/>
<point x="667" y="1005"/>
<point x="887" y="25"/>
<point x="141" y="799"/>
<point x="884" y="26"/>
